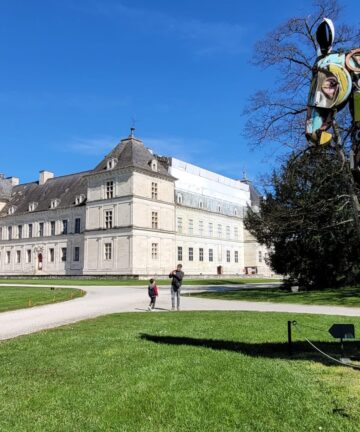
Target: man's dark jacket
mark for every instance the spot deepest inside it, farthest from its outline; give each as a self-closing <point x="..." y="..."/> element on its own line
<point x="176" y="279"/>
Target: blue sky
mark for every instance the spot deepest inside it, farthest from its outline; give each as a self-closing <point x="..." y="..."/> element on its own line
<point x="75" y="74"/>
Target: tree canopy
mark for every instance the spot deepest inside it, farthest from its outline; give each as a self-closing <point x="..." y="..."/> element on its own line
<point x="307" y="221"/>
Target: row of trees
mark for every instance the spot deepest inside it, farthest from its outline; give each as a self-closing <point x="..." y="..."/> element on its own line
<point x="307" y="218"/>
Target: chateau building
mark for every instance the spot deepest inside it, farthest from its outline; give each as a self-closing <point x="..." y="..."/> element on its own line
<point x="135" y="214"/>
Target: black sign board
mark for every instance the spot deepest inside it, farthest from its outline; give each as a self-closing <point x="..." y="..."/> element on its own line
<point x="342" y="331"/>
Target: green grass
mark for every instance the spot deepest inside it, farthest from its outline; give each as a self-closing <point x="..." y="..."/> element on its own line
<point x="19" y="297"/>
<point x="132" y="282"/>
<point x="347" y="296"/>
<point x="167" y="372"/>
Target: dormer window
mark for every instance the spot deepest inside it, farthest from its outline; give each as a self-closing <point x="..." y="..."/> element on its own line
<point x="111" y="163"/>
<point x="179" y="198"/>
<point x="219" y="209"/>
<point x="235" y="212"/>
<point x="201" y="204"/>
<point x="79" y="199"/>
<point x="54" y="203"/>
<point x="33" y="206"/>
<point x="11" y="210"/>
<point x="154" y="165"/>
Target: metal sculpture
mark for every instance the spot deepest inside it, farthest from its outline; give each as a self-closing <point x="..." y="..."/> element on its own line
<point x="335" y="83"/>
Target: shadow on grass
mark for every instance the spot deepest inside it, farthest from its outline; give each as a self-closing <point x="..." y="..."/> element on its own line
<point x="301" y="350"/>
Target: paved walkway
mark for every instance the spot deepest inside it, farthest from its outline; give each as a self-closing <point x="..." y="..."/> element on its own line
<point x="104" y="300"/>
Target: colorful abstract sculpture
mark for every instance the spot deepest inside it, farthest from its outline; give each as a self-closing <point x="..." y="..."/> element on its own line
<point x="335" y="83"/>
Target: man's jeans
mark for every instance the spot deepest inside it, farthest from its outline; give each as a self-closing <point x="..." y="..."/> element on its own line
<point x="173" y="295"/>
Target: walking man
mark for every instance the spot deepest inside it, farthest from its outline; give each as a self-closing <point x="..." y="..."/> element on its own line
<point x="176" y="281"/>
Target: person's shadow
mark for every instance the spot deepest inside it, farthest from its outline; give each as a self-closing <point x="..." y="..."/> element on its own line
<point x="301" y="350"/>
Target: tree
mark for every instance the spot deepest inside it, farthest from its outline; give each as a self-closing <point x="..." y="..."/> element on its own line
<point x="307" y="221"/>
<point x="277" y="114"/>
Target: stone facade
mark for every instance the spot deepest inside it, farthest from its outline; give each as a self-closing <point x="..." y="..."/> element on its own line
<point x="135" y="214"/>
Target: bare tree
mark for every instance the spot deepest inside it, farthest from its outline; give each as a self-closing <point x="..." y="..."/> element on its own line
<point x="277" y="114"/>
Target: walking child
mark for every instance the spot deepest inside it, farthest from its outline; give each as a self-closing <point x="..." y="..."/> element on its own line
<point x="153" y="293"/>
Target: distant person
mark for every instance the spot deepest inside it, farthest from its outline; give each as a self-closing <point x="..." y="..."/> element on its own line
<point x="176" y="281"/>
<point x="153" y="293"/>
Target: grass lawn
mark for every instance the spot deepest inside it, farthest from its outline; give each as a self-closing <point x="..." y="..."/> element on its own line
<point x="120" y="282"/>
<point x="178" y="372"/>
<point x="347" y="296"/>
<point x="20" y="297"/>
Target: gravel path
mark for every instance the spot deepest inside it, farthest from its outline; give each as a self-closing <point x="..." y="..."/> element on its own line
<point x="104" y="300"/>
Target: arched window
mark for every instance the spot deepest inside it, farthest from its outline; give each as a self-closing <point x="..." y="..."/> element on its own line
<point x="111" y="163"/>
<point x="154" y="165"/>
<point x="54" y="203"/>
<point x="11" y="210"/>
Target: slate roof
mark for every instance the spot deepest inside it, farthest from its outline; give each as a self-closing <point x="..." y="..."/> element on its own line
<point x="129" y="153"/>
<point x="64" y="188"/>
<point x="132" y="153"/>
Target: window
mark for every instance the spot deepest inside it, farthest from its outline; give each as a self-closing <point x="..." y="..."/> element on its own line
<point x="10" y="232"/>
<point x="8" y="257"/>
<point x="108" y="251"/>
<point x="18" y="257"/>
<point x="154" y="190"/>
<point x="219" y="209"/>
<point x="28" y="256"/>
<point x="63" y="254"/>
<point x="236" y="232"/>
<point x="201" y="254"/>
<point x="260" y="256"/>
<point x="79" y="199"/>
<point x="11" y="210"/>
<point x="154" y="166"/>
<point x="179" y="225"/>
<point x="32" y="206"/>
<point x="219" y="230"/>
<point x="30" y="226"/>
<point x="235" y="212"/>
<point x="65" y="226"/>
<point x="191" y="254"/>
<point x="41" y="229"/>
<point x="211" y="230"/>
<point x="109" y="189"/>
<point x="20" y="231"/>
<point x="1" y="231"/>
<point x="228" y="232"/>
<point x="52" y="228"/>
<point x="54" y="203"/>
<point x="154" y="220"/>
<point x="111" y="163"/>
<point x="191" y="226"/>
<point x="201" y="228"/>
<point x="211" y="255"/>
<point x="77" y="225"/>
<point x="154" y="250"/>
<point x="76" y="253"/>
<point x="236" y="257"/>
<point x="227" y="256"/>
<point x="179" y="253"/>
<point x="201" y="204"/>
<point x="51" y="254"/>
<point x="179" y="198"/>
<point x="108" y="219"/>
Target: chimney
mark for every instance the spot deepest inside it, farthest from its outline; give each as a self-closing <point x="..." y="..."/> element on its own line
<point x="14" y="180"/>
<point x="44" y="176"/>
